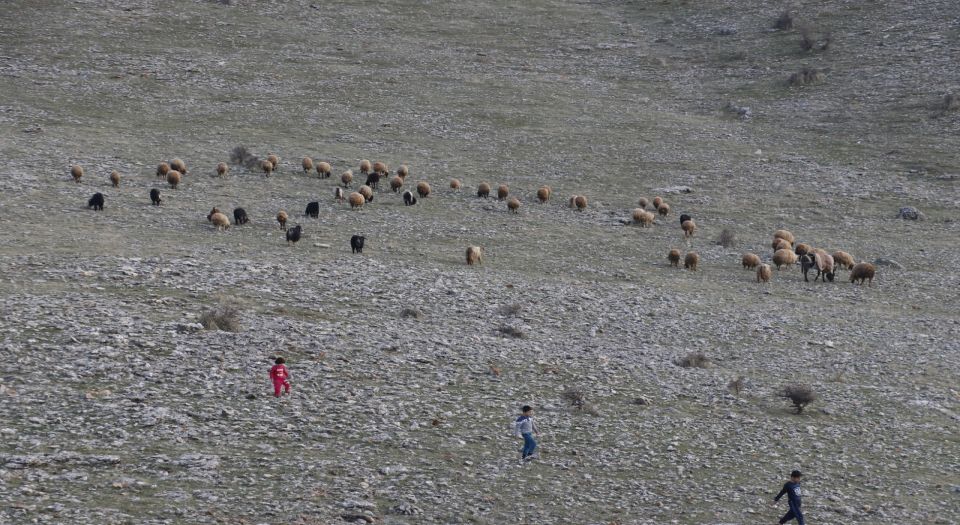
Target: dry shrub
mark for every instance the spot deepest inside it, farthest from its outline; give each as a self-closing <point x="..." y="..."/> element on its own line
<point x="225" y="317"/>
<point x="241" y="156"/>
<point x="950" y="102"/>
<point x="693" y="360"/>
<point x="511" y="331"/>
<point x="736" y="385"/>
<point x="509" y="309"/>
<point x="727" y="238"/>
<point x="800" y="395"/>
<point x="784" y="22"/>
<point x="576" y="397"/>
<point x="806" y="77"/>
<point x="810" y="40"/>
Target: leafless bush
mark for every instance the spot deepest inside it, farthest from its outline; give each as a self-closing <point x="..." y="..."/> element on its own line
<point x="241" y="156"/>
<point x="741" y="112"/>
<point x="950" y="102"/>
<point x="806" y="76"/>
<point x="411" y="313"/>
<point x="784" y="21"/>
<point x="224" y="317"/>
<point x="727" y="238"/>
<point x="511" y="331"/>
<point x="509" y="309"/>
<point x="736" y="385"/>
<point x="799" y="395"/>
<point x="810" y="40"/>
<point x="693" y="360"/>
<point x="576" y="397"/>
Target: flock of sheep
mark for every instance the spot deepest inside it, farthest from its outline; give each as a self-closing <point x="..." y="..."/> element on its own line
<point x="786" y="250"/>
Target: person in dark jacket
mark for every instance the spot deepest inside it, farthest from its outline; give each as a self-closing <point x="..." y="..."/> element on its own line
<point x="792" y="490"/>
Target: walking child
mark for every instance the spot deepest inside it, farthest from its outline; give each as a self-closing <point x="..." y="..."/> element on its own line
<point x="526" y="428"/>
<point x="792" y="490"/>
<point x="280" y="376"/>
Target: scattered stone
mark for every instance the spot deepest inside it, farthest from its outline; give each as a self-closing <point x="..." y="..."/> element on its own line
<point x="911" y="214"/>
<point x="883" y="261"/>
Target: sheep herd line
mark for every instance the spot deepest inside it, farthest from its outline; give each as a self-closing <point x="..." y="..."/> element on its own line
<point x="786" y="251"/>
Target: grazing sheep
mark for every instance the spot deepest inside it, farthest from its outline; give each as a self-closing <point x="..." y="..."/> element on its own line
<point x="96" y="202"/>
<point x="403" y="171"/>
<point x="380" y="167"/>
<point x="863" y="271"/>
<point x="324" y="170"/>
<point x="221" y="221"/>
<point x="580" y="202"/>
<point x="657" y="201"/>
<point x="338" y="195"/>
<point x="684" y="218"/>
<point x="643" y="203"/>
<point x="543" y="194"/>
<point x="764" y="273"/>
<point x="77" y="173"/>
<point x="282" y="219"/>
<point x="155" y="197"/>
<point x="750" y="260"/>
<point x="162" y="169"/>
<point x="173" y="178"/>
<point x="356" y="243"/>
<point x="637" y="215"/>
<point x="802" y="249"/>
<point x="222" y="169"/>
<point x="647" y="218"/>
<point x="423" y="189"/>
<point x="294" y="234"/>
<point x="455" y="184"/>
<point x="483" y="190"/>
<point x="780" y="244"/>
<point x="474" y="255"/>
<point x="213" y="212"/>
<point x="689" y="227"/>
<point x="267" y="167"/>
<point x="502" y="192"/>
<point x="395" y="184"/>
<point x="346" y="178"/>
<point x="784" y="257"/>
<point x="274" y="160"/>
<point x="408" y="198"/>
<point x="240" y="216"/>
<point x="373" y="179"/>
<point x="824" y="264"/>
<point x="674" y="258"/>
<point x="664" y="209"/>
<point x="307" y="164"/>
<point x="513" y="204"/>
<point x="367" y="193"/>
<point x="691" y="261"/>
<point x="115" y="178"/>
<point x="178" y="165"/>
<point x="843" y="259"/>
<point x="785" y="235"/>
<point x="356" y="200"/>
<point x="313" y="209"/>
<point x="364" y="167"/>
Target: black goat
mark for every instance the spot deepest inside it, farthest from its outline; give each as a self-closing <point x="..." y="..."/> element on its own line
<point x="356" y="243"/>
<point x="408" y="198"/>
<point x="155" y="197"/>
<point x="294" y="234"/>
<point x="313" y="210"/>
<point x="96" y="202"/>
<point x="240" y="216"/>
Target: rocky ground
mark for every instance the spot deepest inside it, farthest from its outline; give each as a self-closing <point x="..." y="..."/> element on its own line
<point x="119" y="406"/>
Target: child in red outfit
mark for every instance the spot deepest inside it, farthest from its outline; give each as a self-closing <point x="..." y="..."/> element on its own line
<point x="279" y="375"/>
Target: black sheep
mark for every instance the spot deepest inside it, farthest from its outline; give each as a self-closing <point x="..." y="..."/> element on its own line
<point x="684" y="218"/>
<point x="155" y="197"/>
<point x="96" y="202"/>
<point x="356" y="243"/>
<point x="313" y="210"/>
<point x="240" y="216"/>
<point x="373" y="180"/>
<point x="408" y="198"/>
<point x="294" y="234"/>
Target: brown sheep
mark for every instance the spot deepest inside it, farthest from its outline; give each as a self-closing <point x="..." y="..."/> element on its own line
<point x="780" y="244"/>
<point x="179" y="165"/>
<point x="580" y="202"/>
<point x="691" y="261"/>
<point x="162" y="169"/>
<point x="824" y="263"/>
<point x="222" y="169"/>
<point x="843" y="259"/>
<point x="764" y="273"/>
<point x="267" y="167"/>
<point x="657" y="201"/>
<point x="367" y="193"/>
<point x="274" y="160"/>
<point x="637" y="215"/>
<point x="380" y="167"/>
<point x="663" y="209"/>
<point x="483" y="190"/>
<point x="115" y="178"/>
<point x="346" y="178"/>
<point x="802" y="249"/>
<point x="863" y="271"/>
<point x="396" y="183"/>
<point x="674" y="258"/>
<point x="513" y="204"/>
<point x="213" y="212"/>
<point x="77" y="173"/>
<point x="647" y="218"/>
<point x="324" y="170"/>
<point x="502" y="192"/>
<point x="282" y="219"/>
<point x="643" y="203"/>
<point x="423" y="189"/>
<point x="173" y="178"/>
<point x="543" y="194"/>
<point x="403" y="171"/>
<point x="220" y="220"/>
<point x="688" y="227"/>
<point x="307" y="164"/>
<point x="364" y="166"/>
<point x="474" y="255"/>
<point x="785" y="235"/>
<point x="455" y="184"/>
<point x="784" y="257"/>
<point x="356" y="200"/>
<point x="750" y="260"/>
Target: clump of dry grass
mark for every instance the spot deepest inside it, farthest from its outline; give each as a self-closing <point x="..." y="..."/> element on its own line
<point x="810" y="40"/>
<point x="784" y="22"/>
<point x="800" y="395"/>
<point x="737" y="385"/>
<point x="806" y="77"/>
<point x="693" y="360"/>
<point x="576" y="397"/>
<point x="225" y="317"/>
<point x="511" y="331"/>
<point x="509" y="309"/>
<point x="241" y="156"/>
<point x="727" y="238"/>
<point x="950" y="102"/>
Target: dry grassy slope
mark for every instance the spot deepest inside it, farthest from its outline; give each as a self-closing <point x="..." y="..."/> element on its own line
<point x="610" y="100"/>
